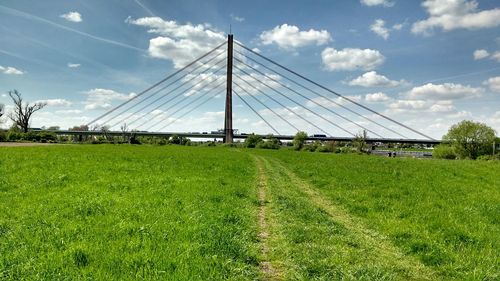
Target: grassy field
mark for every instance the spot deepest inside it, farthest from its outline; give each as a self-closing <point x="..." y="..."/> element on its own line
<point x="104" y="212"/>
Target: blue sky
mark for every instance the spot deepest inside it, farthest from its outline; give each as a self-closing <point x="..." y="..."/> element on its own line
<point x="428" y="63"/>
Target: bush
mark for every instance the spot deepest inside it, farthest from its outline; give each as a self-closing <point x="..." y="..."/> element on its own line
<point x="3" y="135"/>
<point x="444" y="151"/>
<point x="47" y="137"/>
<point x="231" y="145"/>
<point x="329" y="146"/>
<point x="209" y="143"/>
<point x="162" y="141"/>
<point x="299" y="140"/>
<point x="495" y="157"/>
<point x="312" y="147"/>
<point x="252" y="141"/>
<point x="270" y="143"/>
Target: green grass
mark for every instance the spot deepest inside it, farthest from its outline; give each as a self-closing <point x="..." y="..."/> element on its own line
<point x="126" y="212"/>
<point x="445" y="214"/>
<point x="121" y="212"/>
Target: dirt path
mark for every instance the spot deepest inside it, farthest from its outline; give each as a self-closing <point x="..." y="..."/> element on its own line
<point x="268" y="271"/>
<point x="381" y="245"/>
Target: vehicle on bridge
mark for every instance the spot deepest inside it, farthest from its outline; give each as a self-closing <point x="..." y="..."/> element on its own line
<point x="318" y="136"/>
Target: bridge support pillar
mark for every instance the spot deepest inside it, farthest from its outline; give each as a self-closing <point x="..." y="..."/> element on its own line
<point x="228" y="120"/>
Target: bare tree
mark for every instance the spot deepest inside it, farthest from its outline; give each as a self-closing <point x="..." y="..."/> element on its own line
<point x="124" y="128"/>
<point x="2" y="112"/>
<point x="23" y="111"/>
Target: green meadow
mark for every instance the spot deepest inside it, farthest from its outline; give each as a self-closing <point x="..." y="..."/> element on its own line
<point x="123" y="212"/>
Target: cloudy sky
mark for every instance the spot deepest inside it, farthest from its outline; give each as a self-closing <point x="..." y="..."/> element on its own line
<point x="428" y="64"/>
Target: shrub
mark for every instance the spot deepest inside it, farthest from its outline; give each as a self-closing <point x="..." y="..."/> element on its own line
<point x="47" y="137"/>
<point x="312" y="147"/>
<point x="329" y="146"/>
<point x="208" y="143"/>
<point x="179" y="140"/>
<point x="252" y="141"/>
<point x="299" y="140"/>
<point x="270" y="143"/>
<point x="495" y="157"/>
<point x="231" y="145"/>
<point x="13" y="135"/>
<point x="444" y="151"/>
<point x="175" y="139"/>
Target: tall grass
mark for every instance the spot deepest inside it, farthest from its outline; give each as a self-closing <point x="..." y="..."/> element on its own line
<point x="444" y="213"/>
<point x="123" y="212"/>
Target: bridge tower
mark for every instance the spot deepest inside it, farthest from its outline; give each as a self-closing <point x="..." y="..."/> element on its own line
<point x="228" y="120"/>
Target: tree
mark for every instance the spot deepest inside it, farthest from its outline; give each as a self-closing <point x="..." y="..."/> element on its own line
<point x="2" y="111"/>
<point x="470" y="139"/>
<point x="54" y="128"/>
<point x="299" y="139"/>
<point x="80" y="128"/>
<point x="359" y="141"/>
<point x="21" y="115"/>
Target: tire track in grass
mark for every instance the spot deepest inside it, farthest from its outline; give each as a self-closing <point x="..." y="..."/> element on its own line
<point x="382" y="247"/>
<point x="268" y="271"/>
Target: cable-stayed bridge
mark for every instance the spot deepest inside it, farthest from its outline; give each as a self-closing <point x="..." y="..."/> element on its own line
<point x="281" y="98"/>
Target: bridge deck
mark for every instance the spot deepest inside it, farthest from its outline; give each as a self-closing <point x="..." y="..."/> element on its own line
<point x="239" y="136"/>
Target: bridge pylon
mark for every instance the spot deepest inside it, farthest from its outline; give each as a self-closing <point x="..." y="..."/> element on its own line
<point x="228" y="120"/>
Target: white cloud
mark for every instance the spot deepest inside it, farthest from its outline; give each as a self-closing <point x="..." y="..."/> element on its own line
<point x="378" y="27"/>
<point x="494" y="120"/>
<point x="373" y="79"/>
<point x="443" y="106"/>
<point x="377" y="97"/>
<point x="72" y="16"/>
<point x="384" y="3"/>
<point x="69" y="111"/>
<point x="257" y="50"/>
<point x="179" y="43"/>
<point x="455" y="14"/>
<point x="60" y="118"/>
<point x="11" y="70"/>
<point x="254" y="82"/>
<point x="440" y="108"/>
<point x="496" y="56"/>
<point x="102" y="98"/>
<point x="56" y="102"/>
<point x="493" y="83"/>
<point x="398" y="26"/>
<point x="446" y="91"/>
<point x="290" y="37"/>
<point x="236" y="18"/>
<point x="408" y="104"/>
<point x="157" y="112"/>
<point x="419" y="106"/>
<point x="333" y="102"/>
<point x="351" y="59"/>
<point x="74" y="65"/>
<point x="480" y="54"/>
